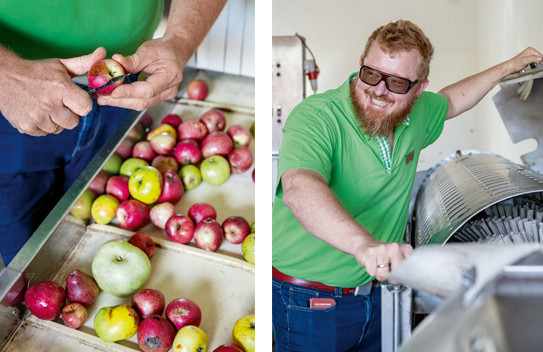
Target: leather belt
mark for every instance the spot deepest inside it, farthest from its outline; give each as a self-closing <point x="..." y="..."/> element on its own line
<point x="363" y="290"/>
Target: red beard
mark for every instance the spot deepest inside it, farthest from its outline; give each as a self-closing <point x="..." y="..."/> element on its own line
<point x="375" y="122"/>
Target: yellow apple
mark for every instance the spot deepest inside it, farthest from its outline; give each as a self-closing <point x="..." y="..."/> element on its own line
<point x="248" y="248"/>
<point x="104" y="209"/>
<point x="165" y="127"/>
<point x="243" y="333"/>
<point x="190" y="338"/>
<point x="145" y="184"/>
<point x="82" y="206"/>
<point x="116" y="323"/>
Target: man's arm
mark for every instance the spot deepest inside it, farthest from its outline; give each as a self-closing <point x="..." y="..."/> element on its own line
<point x="466" y="93"/>
<point x="307" y="195"/>
<point x="165" y="58"/>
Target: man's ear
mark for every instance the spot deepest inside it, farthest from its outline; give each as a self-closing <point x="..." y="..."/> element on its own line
<point x="422" y="86"/>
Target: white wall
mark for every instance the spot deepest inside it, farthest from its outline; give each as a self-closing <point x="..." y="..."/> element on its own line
<point x="468" y="36"/>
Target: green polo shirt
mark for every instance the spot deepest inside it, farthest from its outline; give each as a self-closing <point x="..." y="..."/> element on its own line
<point x="322" y="134"/>
<point x="37" y="29"/>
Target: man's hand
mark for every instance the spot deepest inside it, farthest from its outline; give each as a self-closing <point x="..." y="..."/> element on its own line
<point x="42" y="97"/>
<point x="161" y="59"/>
<point x="522" y="60"/>
<point x="380" y="258"/>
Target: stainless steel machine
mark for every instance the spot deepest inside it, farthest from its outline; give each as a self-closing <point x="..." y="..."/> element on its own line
<point x="474" y="281"/>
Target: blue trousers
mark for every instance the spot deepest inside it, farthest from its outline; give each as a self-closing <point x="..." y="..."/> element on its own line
<point x="353" y="324"/>
<point x="35" y="172"/>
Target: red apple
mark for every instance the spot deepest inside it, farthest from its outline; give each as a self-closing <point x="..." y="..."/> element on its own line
<point x="143" y="242"/>
<point x="182" y="312"/>
<point x="165" y="162"/>
<point x="117" y="186"/>
<point x="200" y="211"/>
<point x="192" y="129"/>
<point x="216" y="143"/>
<point x="45" y="299"/>
<point x="214" y="120"/>
<point x="74" y="315"/>
<point x="208" y="234"/>
<point x="143" y="150"/>
<point x="240" y="160"/>
<point x="228" y="348"/>
<point x="103" y="71"/>
<point x="160" y="213"/>
<point x="146" y="121"/>
<point x="132" y="215"/>
<point x="124" y="150"/>
<point x="187" y="152"/>
<point x="148" y="302"/>
<point x="180" y="228"/>
<point x="163" y="143"/>
<point x="253" y="174"/>
<point x="155" y="334"/>
<point x="197" y="89"/>
<point x="235" y="229"/>
<point x="98" y="183"/>
<point x="172" y="188"/>
<point x="172" y="119"/>
<point x="81" y="288"/>
<point x="240" y="135"/>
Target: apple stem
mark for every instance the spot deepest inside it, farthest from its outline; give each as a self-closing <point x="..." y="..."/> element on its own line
<point x="252" y="326"/>
<point x="119" y="259"/>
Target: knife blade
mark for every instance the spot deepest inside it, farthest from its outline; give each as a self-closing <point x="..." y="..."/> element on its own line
<point x="113" y="81"/>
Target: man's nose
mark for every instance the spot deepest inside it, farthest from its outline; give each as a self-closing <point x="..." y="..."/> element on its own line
<point x="380" y="89"/>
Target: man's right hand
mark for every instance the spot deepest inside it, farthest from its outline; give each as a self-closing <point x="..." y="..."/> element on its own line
<point x="41" y="97"/>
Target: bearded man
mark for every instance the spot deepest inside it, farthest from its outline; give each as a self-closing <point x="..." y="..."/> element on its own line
<point x="346" y="168"/>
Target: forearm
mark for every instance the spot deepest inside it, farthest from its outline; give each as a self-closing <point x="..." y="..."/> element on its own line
<point x="189" y="22"/>
<point x="319" y="212"/>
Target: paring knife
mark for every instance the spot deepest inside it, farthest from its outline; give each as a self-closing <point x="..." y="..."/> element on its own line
<point x="114" y="80"/>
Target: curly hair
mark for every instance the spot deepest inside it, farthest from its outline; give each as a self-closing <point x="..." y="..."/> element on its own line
<point x="403" y="35"/>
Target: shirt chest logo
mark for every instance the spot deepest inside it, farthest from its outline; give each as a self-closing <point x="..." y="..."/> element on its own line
<point x="409" y="157"/>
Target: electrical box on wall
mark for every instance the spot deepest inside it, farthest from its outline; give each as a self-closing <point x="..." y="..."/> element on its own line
<point x="288" y="88"/>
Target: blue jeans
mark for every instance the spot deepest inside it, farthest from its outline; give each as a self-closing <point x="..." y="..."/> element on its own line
<point x="353" y="324"/>
<point x="35" y="172"/>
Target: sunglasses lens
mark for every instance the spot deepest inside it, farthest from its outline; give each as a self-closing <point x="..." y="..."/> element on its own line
<point x="394" y="84"/>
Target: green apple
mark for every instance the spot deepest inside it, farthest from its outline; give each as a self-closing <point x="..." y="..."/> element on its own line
<point x="113" y="165"/>
<point x="253" y="129"/>
<point x="190" y="175"/>
<point x="243" y="333"/>
<point x="104" y="209"/>
<point x="130" y="165"/>
<point x="145" y="184"/>
<point x="82" y="206"/>
<point x="253" y="227"/>
<point x="116" y="322"/>
<point x="120" y="268"/>
<point x="215" y="170"/>
<point x="248" y="248"/>
<point x="190" y="338"/>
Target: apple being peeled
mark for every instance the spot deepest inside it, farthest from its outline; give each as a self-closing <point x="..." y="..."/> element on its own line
<point x="81" y="288"/>
<point x="132" y="215"/>
<point x="240" y="135"/>
<point x="103" y="71"/>
<point x="228" y="348"/>
<point x="180" y="228"/>
<point x="45" y="299"/>
<point x="74" y="315"/>
<point x="182" y="312"/>
<point x="215" y="170"/>
<point x="191" y="177"/>
<point x="214" y="120"/>
<point x="143" y="242"/>
<point x="197" y="89"/>
<point x="117" y="186"/>
<point x="120" y="268"/>
<point x="116" y="323"/>
<point x="155" y="334"/>
<point x="145" y="184"/>
<point x="216" y="143"/>
<point x="240" y="160"/>
<point x="187" y="152"/>
<point x="236" y="228"/>
<point x="172" y="188"/>
<point x="243" y="333"/>
<point x="149" y="302"/>
<point x="160" y="213"/>
<point x="192" y="129"/>
<point x="208" y="235"/>
<point x="200" y="211"/>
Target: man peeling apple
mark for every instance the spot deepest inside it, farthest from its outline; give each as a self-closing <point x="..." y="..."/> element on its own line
<point x="346" y="168"/>
<point x="50" y="127"/>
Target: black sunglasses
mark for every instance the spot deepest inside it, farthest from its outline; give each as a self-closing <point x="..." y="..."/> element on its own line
<point x="394" y="84"/>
